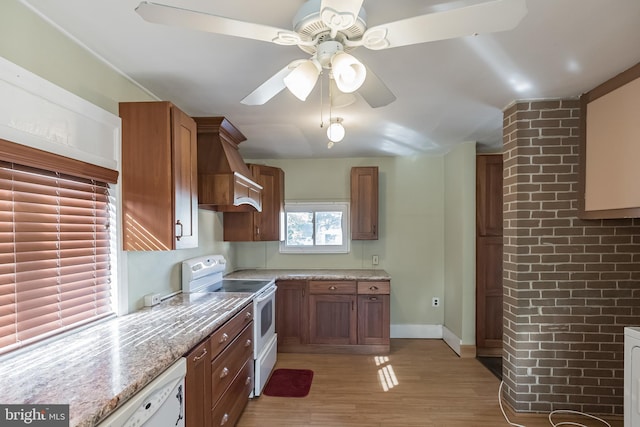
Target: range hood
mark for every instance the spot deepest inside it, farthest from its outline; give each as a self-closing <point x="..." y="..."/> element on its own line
<point x="225" y="183"/>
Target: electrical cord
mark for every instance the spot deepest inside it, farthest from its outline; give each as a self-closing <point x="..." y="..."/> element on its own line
<point x="551" y="414"/>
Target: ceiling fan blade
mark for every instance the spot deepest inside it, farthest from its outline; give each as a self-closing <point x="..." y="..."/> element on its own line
<point x="267" y="90"/>
<point x="375" y="92"/>
<point x="493" y="16"/>
<point x="340" y="14"/>
<point x="185" y="18"/>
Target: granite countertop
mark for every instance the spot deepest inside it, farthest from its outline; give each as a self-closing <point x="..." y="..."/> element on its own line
<point x="98" y="368"/>
<point x="310" y="274"/>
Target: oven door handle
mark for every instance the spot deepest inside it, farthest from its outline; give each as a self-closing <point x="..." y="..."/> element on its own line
<point x="268" y="295"/>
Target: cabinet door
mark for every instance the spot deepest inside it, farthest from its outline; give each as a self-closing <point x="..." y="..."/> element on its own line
<point x="267" y="222"/>
<point x="291" y="313"/>
<point x="197" y="386"/>
<point x="364" y="203"/>
<point x="159" y="177"/>
<point x="373" y="319"/>
<point x="333" y="319"/>
<point x="185" y="179"/>
<point x="259" y="226"/>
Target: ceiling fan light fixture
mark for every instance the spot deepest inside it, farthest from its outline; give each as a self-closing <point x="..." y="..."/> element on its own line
<point x="335" y="131"/>
<point x="302" y="79"/>
<point x="348" y="72"/>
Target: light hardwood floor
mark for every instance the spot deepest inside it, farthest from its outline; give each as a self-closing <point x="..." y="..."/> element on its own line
<point x="432" y="387"/>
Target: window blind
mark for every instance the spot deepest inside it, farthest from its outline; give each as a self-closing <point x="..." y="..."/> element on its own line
<point x="54" y="253"/>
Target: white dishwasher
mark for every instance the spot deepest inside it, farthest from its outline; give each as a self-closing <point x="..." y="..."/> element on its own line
<point x="159" y="404"/>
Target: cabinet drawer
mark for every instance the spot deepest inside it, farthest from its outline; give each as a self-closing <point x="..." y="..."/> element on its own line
<point x="332" y="287"/>
<point x="381" y="287"/>
<point x="226" y="366"/>
<point x="230" y="406"/>
<point x="227" y="332"/>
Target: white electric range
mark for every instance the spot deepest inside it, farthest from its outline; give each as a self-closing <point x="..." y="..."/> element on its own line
<point x="205" y="274"/>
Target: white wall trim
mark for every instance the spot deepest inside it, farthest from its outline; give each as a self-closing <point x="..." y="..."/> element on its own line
<point x="39" y="114"/>
<point x="452" y="340"/>
<point x="416" y="331"/>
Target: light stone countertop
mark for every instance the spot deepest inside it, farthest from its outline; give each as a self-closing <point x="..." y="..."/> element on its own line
<point x="98" y="368"/>
<point x="310" y="274"/>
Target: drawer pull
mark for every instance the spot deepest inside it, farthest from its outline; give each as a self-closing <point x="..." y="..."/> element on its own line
<point x="224" y="372"/>
<point x="248" y="315"/>
<point x="247" y="381"/>
<point x="332" y="288"/>
<point x="373" y="288"/>
<point x="224" y="338"/>
<point x="247" y="343"/>
<point x="224" y="419"/>
<point x="373" y="298"/>
<point x="204" y="353"/>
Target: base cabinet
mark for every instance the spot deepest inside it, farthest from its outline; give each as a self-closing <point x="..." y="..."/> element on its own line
<point x="292" y="316"/>
<point x="373" y="313"/>
<point x="333" y="316"/>
<point x="220" y="377"/>
<point x="328" y="316"/>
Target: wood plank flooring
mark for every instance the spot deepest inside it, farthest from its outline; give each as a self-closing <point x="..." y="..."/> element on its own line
<point x="420" y="383"/>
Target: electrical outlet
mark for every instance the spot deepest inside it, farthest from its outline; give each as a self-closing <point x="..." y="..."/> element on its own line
<point x="435" y="302"/>
<point x="375" y="260"/>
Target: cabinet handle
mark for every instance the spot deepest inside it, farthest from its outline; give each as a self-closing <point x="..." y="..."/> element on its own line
<point x="248" y="315"/>
<point x="224" y="338"/>
<point x="204" y="353"/>
<point x="247" y="343"/>
<point x="373" y="288"/>
<point x="247" y="381"/>
<point x="179" y="235"/>
<point x="224" y="419"/>
<point x="257" y="231"/>
<point x="224" y="372"/>
<point x="332" y="288"/>
<point x="373" y="298"/>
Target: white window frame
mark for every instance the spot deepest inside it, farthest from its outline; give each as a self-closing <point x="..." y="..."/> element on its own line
<point x="295" y="206"/>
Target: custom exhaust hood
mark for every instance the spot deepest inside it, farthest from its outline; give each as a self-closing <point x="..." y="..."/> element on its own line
<point x="225" y="183"/>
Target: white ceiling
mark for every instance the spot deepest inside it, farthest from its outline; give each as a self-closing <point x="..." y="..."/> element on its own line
<point x="447" y="91"/>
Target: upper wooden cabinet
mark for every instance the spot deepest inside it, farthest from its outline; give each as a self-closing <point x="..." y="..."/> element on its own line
<point x="159" y="177"/>
<point x="364" y="203"/>
<point x="259" y="226"/>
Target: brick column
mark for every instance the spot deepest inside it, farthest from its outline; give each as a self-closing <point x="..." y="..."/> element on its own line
<point x="570" y="285"/>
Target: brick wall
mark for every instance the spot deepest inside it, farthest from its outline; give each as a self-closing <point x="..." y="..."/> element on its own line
<point x="570" y="285"/>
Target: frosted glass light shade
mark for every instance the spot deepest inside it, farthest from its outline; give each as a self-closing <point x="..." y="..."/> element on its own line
<point x="302" y="79"/>
<point x="335" y="132"/>
<point x="348" y="72"/>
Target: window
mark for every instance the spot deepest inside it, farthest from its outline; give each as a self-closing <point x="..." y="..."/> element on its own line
<point x="55" y="245"/>
<point x="316" y="228"/>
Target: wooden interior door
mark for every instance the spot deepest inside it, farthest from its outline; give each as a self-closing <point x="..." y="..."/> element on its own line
<point x="489" y="250"/>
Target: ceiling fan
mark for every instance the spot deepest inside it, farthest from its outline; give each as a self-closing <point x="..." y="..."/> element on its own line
<point x="328" y="29"/>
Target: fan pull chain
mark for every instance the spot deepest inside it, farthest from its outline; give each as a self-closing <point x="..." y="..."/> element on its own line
<point x="321" y="91"/>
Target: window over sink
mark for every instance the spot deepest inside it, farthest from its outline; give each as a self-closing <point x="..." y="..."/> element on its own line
<point x="316" y="227"/>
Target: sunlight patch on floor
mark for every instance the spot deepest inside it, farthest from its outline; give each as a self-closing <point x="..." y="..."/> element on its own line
<point x="387" y="377"/>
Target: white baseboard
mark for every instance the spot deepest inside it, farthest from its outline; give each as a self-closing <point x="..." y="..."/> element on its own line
<point x="451" y="339"/>
<point x="416" y="331"/>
